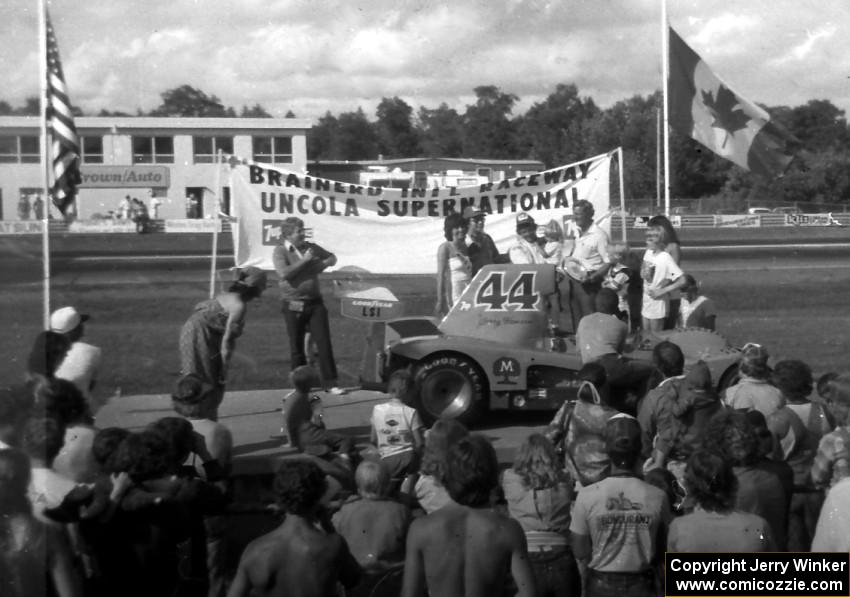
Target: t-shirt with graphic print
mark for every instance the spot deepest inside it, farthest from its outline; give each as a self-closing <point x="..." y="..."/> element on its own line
<point x="623" y="517"/>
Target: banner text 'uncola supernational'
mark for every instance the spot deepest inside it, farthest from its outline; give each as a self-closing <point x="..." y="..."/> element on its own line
<point x="396" y="231"/>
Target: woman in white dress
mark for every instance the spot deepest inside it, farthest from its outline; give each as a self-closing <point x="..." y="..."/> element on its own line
<point x="454" y="270"/>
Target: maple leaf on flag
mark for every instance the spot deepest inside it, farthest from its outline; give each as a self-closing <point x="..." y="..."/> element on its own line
<point x="727" y="115"/>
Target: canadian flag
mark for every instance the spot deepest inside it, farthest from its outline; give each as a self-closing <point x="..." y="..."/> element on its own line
<point x="703" y="107"/>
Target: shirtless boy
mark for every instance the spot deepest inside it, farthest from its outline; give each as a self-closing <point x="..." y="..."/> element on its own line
<point x="466" y="549"/>
<point x="298" y="558"/>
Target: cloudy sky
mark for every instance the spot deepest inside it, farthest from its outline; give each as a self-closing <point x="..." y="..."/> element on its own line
<point x="314" y="56"/>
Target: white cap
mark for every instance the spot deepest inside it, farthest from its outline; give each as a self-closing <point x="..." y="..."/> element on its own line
<point x="66" y="319"/>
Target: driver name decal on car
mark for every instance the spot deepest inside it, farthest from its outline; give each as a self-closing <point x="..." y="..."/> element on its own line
<point x="520" y="296"/>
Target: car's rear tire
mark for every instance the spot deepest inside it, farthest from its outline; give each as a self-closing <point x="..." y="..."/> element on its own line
<point x="452" y="387"/>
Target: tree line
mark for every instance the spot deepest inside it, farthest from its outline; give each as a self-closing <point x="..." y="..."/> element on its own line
<point x="564" y="127"/>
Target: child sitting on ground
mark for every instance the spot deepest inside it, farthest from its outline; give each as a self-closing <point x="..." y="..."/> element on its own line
<point x="617" y="279"/>
<point x="305" y="420"/>
<point x="305" y="426"/>
<point x="695" y="310"/>
<point x="397" y="429"/>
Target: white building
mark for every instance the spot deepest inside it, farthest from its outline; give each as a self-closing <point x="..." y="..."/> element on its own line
<point x="168" y="158"/>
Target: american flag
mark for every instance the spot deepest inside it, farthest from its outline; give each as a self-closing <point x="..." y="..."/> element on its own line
<point x="65" y="144"/>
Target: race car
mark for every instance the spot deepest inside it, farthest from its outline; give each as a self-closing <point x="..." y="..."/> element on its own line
<point x="494" y="349"/>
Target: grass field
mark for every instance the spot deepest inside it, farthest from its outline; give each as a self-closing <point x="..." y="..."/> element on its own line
<point x="796" y="313"/>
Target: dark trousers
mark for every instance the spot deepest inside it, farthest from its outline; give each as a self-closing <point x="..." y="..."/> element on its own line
<point x="313" y="318"/>
<point x="582" y="299"/>
<point x="555" y="573"/>
<point x="619" y="584"/>
<point x="672" y="313"/>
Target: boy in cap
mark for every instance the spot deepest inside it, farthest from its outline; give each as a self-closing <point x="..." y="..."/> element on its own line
<point x="754" y="390"/>
<point x="619" y="524"/>
<point x="82" y="361"/>
<point x="527" y="248"/>
<point x="480" y="245"/>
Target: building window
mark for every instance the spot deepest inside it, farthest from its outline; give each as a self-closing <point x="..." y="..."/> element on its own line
<point x="272" y="150"/>
<point x="92" y="150"/>
<point x="206" y="148"/>
<point x="153" y="150"/>
<point x="19" y="149"/>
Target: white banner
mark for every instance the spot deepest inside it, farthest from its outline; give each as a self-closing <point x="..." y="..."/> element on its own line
<point x="101" y="226"/>
<point x="193" y="225"/>
<point x="811" y="220"/>
<point x="737" y="221"/>
<point x="397" y="231"/>
<point x="21" y="227"/>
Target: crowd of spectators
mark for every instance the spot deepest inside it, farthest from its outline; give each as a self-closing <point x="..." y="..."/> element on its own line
<point x="588" y="506"/>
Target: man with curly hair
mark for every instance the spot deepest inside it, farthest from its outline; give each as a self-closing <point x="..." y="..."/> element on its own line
<point x="715" y="524"/>
<point x="303" y="557"/>
<point x="466" y="548"/>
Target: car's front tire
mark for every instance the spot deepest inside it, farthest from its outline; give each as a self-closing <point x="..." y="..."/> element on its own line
<point x="451" y="386"/>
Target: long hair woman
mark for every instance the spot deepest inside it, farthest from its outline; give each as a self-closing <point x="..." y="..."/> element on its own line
<point x="428" y="489"/>
<point x="661" y="276"/>
<point x="208" y="337"/>
<point x="454" y="269"/>
<point x="715" y="524"/>
<point x="539" y="495"/>
<point x="674" y="247"/>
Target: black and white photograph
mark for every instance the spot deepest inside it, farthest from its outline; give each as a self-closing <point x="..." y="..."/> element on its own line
<point x="424" y="297"/>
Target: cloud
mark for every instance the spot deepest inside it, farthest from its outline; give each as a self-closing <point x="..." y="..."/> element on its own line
<point x="312" y="56"/>
<point x="806" y="47"/>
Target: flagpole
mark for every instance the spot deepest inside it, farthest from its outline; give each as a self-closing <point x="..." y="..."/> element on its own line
<point x="45" y="162"/>
<point x="622" y="196"/>
<point x="658" y="157"/>
<point x="216" y="222"/>
<point x="665" y="71"/>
